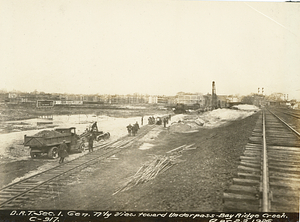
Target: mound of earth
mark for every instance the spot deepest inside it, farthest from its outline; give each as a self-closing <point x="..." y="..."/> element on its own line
<point x="211" y="119"/>
<point x="47" y="133"/>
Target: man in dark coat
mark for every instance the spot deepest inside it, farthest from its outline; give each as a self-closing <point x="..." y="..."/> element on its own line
<point x="91" y="143"/>
<point x="94" y="127"/>
<point x="62" y="151"/>
<point x="135" y="128"/>
<point x="165" y="122"/>
<point x="137" y="125"/>
<point x="129" y="129"/>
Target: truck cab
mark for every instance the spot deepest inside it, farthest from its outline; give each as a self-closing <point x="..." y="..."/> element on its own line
<point x="73" y="139"/>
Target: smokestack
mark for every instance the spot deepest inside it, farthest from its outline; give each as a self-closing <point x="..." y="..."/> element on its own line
<point x="213" y="88"/>
<point x="213" y="96"/>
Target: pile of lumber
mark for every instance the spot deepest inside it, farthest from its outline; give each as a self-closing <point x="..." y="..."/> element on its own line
<point x="157" y="164"/>
<point x="150" y="170"/>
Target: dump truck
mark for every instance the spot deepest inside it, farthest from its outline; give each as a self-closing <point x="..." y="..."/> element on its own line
<point x="48" y="141"/>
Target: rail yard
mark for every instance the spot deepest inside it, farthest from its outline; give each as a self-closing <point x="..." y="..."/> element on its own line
<point x="249" y="164"/>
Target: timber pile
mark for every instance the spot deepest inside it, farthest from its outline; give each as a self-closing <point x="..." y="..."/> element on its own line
<point x="150" y="170"/>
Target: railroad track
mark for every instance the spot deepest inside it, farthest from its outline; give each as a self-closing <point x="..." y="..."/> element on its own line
<point x="47" y="184"/>
<point x="292" y="117"/>
<point x="268" y="177"/>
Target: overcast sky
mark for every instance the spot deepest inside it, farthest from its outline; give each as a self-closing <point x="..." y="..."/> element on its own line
<point x="149" y="47"/>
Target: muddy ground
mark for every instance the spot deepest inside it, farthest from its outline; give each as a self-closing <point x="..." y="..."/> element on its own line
<point x="195" y="184"/>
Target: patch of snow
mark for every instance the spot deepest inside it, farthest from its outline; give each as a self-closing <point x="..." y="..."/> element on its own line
<point x="151" y="135"/>
<point x="246" y="107"/>
<point x="146" y="146"/>
<point x="210" y="119"/>
<point x="191" y="131"/>
<point x="177" y="118"/>
<point x="134" y="107"/>
<point x="199" y="122"/>
<point x="179" y="127"/>
<point x="113" y="157"/>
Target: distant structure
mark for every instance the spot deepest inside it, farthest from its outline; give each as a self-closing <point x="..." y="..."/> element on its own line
<point x="214" y="99"/>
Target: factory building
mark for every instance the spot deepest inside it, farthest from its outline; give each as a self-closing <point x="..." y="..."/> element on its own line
<point x="190" y="99"/>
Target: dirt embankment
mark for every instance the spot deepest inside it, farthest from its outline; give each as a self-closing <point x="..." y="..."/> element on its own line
<point x="195" y="184"/>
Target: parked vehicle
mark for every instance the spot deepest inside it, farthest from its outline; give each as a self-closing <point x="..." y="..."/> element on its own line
<point x="180" y="108"/>
<point x="47" y="141"/>
<point x="98" y="135"/>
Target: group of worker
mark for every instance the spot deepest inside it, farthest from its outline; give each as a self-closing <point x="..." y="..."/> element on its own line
<point x="133" y="129"/>
<point x="151" y="120"/>
<point x="159" y="120"/>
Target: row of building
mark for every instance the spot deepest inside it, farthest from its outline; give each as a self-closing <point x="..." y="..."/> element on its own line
<point x="191" y="100"/>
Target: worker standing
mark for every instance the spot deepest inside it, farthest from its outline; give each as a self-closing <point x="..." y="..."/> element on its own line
<point x="91" y="141"/>
<point x="62" y="151"/>
<point x="165" y="122"/>
<point x="129" y="129"/>
<point x="135" y="128"/>
<point x="94" y="127"/>
<point x="137" y="125"/>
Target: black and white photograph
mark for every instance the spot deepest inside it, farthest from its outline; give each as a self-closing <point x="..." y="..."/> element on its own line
<point x="149" y="110"/>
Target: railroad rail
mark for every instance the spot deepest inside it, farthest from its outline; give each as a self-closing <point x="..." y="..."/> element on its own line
<point x="47" y="183"/>
<point x="288" y="112"/>
<point x="268" y="178"/>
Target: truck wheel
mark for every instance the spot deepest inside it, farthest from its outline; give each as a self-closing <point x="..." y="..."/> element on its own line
<point x="81" y="147"/>
<point x="107" y="136"/>
<point x="53" y="153"/>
